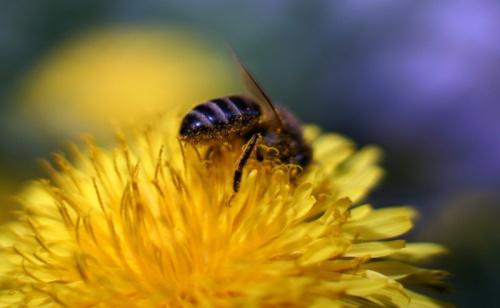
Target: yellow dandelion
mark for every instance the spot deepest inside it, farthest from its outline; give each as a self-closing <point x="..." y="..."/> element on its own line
<point x="148" y="224"/>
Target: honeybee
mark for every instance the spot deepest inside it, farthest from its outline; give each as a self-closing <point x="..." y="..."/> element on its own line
<point x="255" y="119"/>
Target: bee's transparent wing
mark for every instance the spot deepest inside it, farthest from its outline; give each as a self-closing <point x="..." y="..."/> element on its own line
<point x="254" y="88"/>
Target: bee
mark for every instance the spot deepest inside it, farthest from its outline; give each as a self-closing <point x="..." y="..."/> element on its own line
<point x="254" y="119"/>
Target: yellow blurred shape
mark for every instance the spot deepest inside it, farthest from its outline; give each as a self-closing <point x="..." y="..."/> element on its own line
<point x="125" y="73"/>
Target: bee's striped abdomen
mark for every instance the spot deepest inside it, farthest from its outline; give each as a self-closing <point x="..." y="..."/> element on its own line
<point x="220" y="118"/>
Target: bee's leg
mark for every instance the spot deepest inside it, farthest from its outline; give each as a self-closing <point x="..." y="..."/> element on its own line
<point x="243" y="160"/>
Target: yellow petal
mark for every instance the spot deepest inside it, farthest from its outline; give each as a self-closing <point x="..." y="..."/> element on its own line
<point x="360" y="211"/>
<point x="351" y="285"/>
<point x="359" y="173"/>
<point x="324" y="249"/>
<point x="302" y="202"/>
<point x="392" y="294"/>
<point x="311" y="132"/>
<point x="327" y="144"/>
<point x="416" y="252"/>
<point x="343" y="265"/>
<point x="381" y="224"/>
<point x="375" y="249"/>
<point x="399" y="271"/>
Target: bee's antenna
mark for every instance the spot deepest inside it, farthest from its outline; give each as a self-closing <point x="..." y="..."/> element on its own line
<point x="254" y="87"/>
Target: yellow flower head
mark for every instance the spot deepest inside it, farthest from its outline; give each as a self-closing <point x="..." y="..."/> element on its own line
<point x="149" y="224"/>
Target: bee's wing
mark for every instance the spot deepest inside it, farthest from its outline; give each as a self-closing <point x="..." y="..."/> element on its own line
<point x="255" y="89"/>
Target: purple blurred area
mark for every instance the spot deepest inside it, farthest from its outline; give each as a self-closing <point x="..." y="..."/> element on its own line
<point x="438" y="78"/>
<point x="420" y="79"/>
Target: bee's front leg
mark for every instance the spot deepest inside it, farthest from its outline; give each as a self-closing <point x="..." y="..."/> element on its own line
<point x="240" y="164"/>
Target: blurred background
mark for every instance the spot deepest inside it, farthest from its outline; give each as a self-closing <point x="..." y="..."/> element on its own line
<point x="420" y="79"/>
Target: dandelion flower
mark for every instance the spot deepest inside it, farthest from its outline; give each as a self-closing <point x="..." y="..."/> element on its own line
<point x="148" y="224"/>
